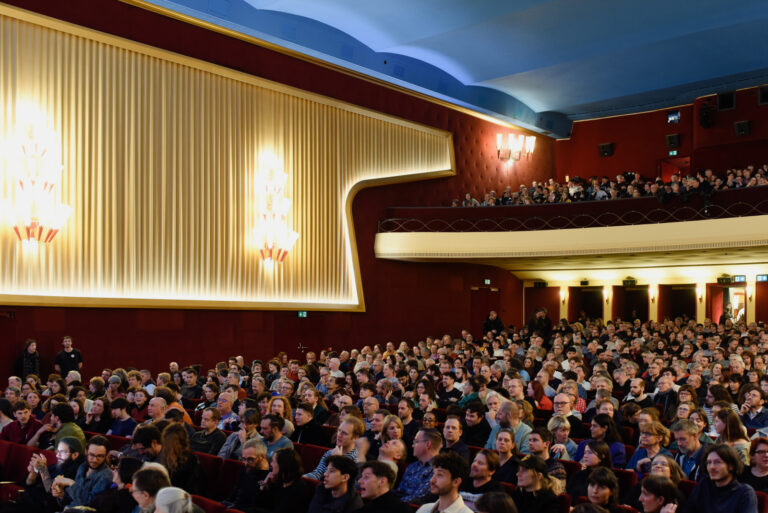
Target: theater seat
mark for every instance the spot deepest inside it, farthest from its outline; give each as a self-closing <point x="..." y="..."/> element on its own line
<point x="208" y="505"/>
<point x="227" y="479"/>
<point x="627" y="479"/>
<point x="211" y="467"/>
<point x="117" y="442"/>
<point x="762" y="502"/>
<point x="564" y="503"/>
<point x="5" y="451"/>
<point x="473" y="450"/>
<point x="571" y="467"/>
<point x="310" y="455"/>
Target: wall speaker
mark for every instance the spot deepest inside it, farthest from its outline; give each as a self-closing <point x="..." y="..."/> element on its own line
<point x="673" y="140"/>
<point x="605" y="149"/>
<point x="706" y="118"/>
<point x="742" y="128"/>
<point x="726" y="101"/>
<point x="539" y="284"/>
<point x="762" y="97"/>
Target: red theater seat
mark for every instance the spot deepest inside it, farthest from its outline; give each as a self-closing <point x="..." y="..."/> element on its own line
<point x="208" y="505"/>
<point x="211" y="467"/>
<point x="310" y="455"/>
<point x="227" y="478"/>
<point x="687" y="486"/>
<point x="564" y="503"/>
<point x="571" y="467"/>
<point x="762" y="502"/>
<point x="627" y="479"/>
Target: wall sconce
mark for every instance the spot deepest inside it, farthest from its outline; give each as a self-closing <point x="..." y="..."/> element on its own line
<point x="607" y="293"/>
<point x="748" y="291"/>
<point x="530" y="144"/>
<point x="653" y="292"/>
<point x="513" y="148"/>
<point x="700" y="293"/>
<point x="563" y="296"/>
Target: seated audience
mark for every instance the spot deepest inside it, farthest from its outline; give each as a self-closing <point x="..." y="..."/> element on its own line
<point x="449" y="472"/>
<point x="209" y="439"/>
<point x="336" y="492"/>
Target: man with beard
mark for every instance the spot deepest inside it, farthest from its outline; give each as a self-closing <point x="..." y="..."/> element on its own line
<point x="92" y="478"/>
<point x="37" y="496"/>
<point x="255" y="468"/>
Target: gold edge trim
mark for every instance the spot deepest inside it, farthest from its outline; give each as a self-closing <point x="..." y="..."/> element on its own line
<point x="191" y="20"/>
<point x="99" y="302"/>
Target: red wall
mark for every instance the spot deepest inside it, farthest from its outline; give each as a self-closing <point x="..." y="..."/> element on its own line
<point x="761" y="301"/>
<point x="640" y="143"/>
<point x="404" y="301"/>
<point x="548" y="297"/>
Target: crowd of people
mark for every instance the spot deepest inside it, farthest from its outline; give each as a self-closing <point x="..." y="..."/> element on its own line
<point x="655" y="416"/>
<point x="626" y="185"/>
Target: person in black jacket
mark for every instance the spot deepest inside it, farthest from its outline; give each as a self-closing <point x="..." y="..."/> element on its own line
<point x="336" y="493"/>
<point x="183" y="466"/>
<point x="533" y="491"/>
<point x="476" y="429"/>
<point x="493" y="323"/>
<point x="283" y="491"/>
<point x="719" y="491"/>
<point x="28" y="361"/>
<point x="254" y="470"/>
<point x="307" y="431"/>
<point x="375" y="484"/>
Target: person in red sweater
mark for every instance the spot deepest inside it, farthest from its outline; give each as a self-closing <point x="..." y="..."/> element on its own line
<point x="24" y="427"/>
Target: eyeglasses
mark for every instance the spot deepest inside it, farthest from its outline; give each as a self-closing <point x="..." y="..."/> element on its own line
<point x="249" y="459"/>
<point x="761" y="453"/>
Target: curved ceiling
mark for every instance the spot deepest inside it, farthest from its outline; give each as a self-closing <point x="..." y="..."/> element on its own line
<point x="537" y="63"/>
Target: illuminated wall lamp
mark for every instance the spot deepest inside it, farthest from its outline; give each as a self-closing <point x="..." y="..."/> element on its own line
<point x="530" y="145"/>
<point x="748" y="291"/>
<point x="653" y="293"/>
<point x="563" y="296"/>
<point x="513" y="149"/>
<point x="700" y="294"/>
<point x="607" y="293"/>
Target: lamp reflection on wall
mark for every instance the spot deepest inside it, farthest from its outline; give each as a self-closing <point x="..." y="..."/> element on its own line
<point x="34" y="155"/>
<point x="607" y="293"/>
<point x="274" y="236"/>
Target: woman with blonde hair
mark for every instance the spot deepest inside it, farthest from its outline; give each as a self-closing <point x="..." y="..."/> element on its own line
<point x="281" y="407"/>
<point x="653" y="438"/>
<point x="183" y="467"/>
<point x="392" y="429"/>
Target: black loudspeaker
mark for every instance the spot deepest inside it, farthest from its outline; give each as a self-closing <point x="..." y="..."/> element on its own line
<point x="705" y="116"/>
<point x="742" y="128"/>
<point x="584" y="283"/>
<point x="762" y="95"/>
<point x="539" y="284"/>
<point x="673" y="140"/>
<point x="726" y="101"/>
<point x="606" y="149"/>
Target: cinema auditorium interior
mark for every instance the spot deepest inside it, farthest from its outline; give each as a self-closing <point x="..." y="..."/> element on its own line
<point x="290" y="256"/>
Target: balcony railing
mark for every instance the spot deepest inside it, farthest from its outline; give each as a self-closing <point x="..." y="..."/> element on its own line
<point x="586" y="214"/>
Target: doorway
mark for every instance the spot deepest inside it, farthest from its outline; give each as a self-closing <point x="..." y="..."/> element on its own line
<point x="677" y="301"/>
<point x="483" y="300"/>
<point x="635" y="303"/>
<point x="727" y="301"/>
<point x="585" y="301"/>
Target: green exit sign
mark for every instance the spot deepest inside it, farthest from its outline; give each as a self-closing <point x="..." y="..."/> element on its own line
<point x="302" y="314"/>
<point x="673" y="153"/>
<point x="487" y="281"/>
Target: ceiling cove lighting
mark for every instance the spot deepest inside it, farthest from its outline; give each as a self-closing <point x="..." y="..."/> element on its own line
<point x="274" y="236"/>
<point x="34" y="158"/>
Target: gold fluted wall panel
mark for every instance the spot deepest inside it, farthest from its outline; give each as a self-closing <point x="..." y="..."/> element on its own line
<point x="159" y="153"/>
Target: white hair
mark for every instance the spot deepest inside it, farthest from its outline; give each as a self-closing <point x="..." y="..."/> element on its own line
<point x="173" y="500"/>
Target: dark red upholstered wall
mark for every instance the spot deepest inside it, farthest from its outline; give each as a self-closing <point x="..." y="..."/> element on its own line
<point x="639" y="144"/>
<point x="405" y="301"/>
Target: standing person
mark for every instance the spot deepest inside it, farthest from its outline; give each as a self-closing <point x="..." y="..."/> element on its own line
<point x="336" y="493"/>
<point x="29" y="361"/>
<point x="719" y="491"/>
<point x="376" y="482"/>
<point x="68" y="359"/>
<point x="449" y="471"/>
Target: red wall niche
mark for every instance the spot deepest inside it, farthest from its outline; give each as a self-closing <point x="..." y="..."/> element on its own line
<point x="404" y="301"/>
<point x="761" y="301"/>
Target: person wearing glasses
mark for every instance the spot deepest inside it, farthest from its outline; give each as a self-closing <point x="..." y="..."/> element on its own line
<point x="93" y="477"/>
<point x="756" y="474"/>
<point x="147" y="482"/>
<point x="254" y="470"/>
<point x="653" y="437"/>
